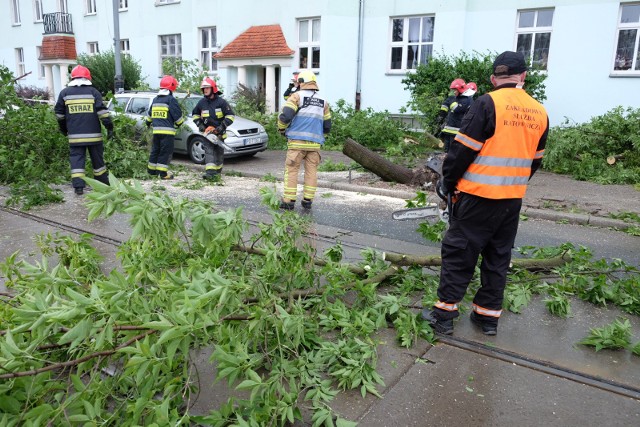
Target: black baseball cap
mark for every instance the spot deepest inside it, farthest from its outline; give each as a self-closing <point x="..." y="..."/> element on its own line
<point x="508" y="63"/>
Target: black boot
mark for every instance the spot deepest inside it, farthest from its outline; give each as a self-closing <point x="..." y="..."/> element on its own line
<point x="287" y="206"/>
<point x="306" y="203"/>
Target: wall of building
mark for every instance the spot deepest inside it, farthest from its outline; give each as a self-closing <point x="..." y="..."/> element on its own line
<point x="579" y="84"/>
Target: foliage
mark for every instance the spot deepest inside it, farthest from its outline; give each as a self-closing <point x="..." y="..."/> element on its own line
<point x="558" y="303"/>
<point x="582" y="150"/>
<point x="249" y="100"/>
<point x="375" y="130"/>
<point x="329" y="165"/>
<point x="615" y="336"/>
<point x="32" y="92"/>
<point x="187" y="278"/>
<point x="429" y="85"/>
<point x="189" y="73"/>
<point x="123" y="155"/>
<point x="103" y="70"/>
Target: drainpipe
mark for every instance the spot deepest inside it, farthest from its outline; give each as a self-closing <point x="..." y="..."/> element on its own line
<point x="359" y="59"/>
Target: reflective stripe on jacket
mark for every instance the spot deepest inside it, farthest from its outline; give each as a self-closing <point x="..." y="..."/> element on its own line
<point x="502" y="167"/>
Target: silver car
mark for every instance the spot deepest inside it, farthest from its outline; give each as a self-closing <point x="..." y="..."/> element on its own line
<point x="244" y="137"/>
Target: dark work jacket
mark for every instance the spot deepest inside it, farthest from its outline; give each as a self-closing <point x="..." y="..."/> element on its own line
<point x="79" y="110"/>
<point x="213" y="112"/>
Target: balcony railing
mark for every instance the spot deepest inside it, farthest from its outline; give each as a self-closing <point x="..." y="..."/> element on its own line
<point x="57" y="22"/>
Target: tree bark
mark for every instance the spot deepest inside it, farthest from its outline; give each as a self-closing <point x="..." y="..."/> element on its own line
<point x="377" y="164"/>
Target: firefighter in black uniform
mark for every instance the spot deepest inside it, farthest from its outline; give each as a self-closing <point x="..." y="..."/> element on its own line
<point x="498" y="149"/>
<point x="165" y="115"/>
<point x="212" y="114"/>
<point x="452" y="111"/>
<point x="79" y="111"/>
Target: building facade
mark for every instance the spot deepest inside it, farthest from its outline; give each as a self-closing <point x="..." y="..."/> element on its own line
<point x="360" y="49"/>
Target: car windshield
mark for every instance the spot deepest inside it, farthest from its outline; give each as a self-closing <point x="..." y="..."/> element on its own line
<point x="189" y="103"/>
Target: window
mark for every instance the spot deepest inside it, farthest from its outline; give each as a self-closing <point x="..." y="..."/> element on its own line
<point x="90" y="7"/>
<point x="123" y="5"/>
<point x="160" y="2"/>
<point x="309" y="43"/>
<point x="124" y="46"/>
<point x="411" y="42"/>
<point x="62" y="6"/>
<point x="40" y="66"/>
<point x="627" y="58"/>
<point x="92" y="48"/>
<point x="208" y="48"/>
<point x="170" y="50"/>
<point x="15" y="12"/>
<point x="37" y="10"/>
<point x="119" y="102"/>
<point x="20" y="62"/>
<point x="533" y="36"/>
<point x="138" y="106"/>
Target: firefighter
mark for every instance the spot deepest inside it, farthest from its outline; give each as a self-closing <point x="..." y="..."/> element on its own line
<point x="293" y="86"/>
<point x="305" y="120"/>
<point x="452" y="111"/>
<point x="79" y="111"/>
<point x="498" y="149"/>
<point x="470" y="90"/>
<point x="212" y="114"/>
<point x="165" y="115"/>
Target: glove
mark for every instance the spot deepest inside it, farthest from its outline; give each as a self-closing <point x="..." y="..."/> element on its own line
<point x="148" y="123"/>
<point x="220" y="130"/>
<point x="63" y="127"/>
<point x="111" y="134"/>
<point x="208" y="130"/>
<point x="441" y="191"/>
<point x="201" y="127"/>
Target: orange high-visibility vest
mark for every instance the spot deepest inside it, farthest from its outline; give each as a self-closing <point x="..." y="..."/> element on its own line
<point x="503" y="165"/>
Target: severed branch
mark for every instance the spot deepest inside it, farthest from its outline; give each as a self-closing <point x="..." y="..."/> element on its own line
<point x="79" y="360"/>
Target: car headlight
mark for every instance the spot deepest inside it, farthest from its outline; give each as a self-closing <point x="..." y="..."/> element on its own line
<point x="261" y="129"/>
<point x="231" y="133"/>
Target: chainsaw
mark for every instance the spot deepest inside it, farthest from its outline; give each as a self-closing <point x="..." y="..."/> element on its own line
<point x="431" y="211"/>
<point x="215" y="139"/>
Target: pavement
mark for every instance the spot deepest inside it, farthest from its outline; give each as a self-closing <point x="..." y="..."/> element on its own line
<point x="533" y="373"/>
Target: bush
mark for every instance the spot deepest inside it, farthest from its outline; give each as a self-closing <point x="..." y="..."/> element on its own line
<point x="248" y="100"/>
<point x="32" y="92"/>
<point x="429" y="85"/>
<point x="373" y="129"/>
<point x="582" y="150"/>
<point x="103" y="70"/>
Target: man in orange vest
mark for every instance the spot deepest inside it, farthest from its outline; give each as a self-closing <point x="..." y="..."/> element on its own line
<point x="498" y="149"/>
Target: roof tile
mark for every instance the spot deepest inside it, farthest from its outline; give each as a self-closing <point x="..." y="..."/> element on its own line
<point x="257" y="41"/>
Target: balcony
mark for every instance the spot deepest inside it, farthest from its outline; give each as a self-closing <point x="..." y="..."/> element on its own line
<point x="57" y="23"/>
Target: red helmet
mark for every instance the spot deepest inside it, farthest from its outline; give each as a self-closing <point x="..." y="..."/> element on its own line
<point x="458" y="85"/>
<point x="80" y="72"/>
<point x="209" y="82"/>
<point x="169" y="82"/>
<point x="472" y="86"/>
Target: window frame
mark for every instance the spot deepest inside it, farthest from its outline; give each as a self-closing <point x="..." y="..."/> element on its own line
<point x="161" y="56"/>
<point x="166" y="2"/>
<point x="404" y="43"/>
<point x="15" y="13"/>
<point x="123" y="5"/>
<point x="20" y="65"/>
<point x="124" y="43"/>
<point x="635" y="60"/>
<point x="534" y="30"/>
<point x="37" y="8"/>
<point x="63" y="6"/>
<point x="93" y="48"/>
<point x="90" y="8"/>
<point x="309" y="44"/>
<point x="212" y="66"/>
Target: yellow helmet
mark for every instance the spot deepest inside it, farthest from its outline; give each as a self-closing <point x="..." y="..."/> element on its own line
<point x="306" y="76"/>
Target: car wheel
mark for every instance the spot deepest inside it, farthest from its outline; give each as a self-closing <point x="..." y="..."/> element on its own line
<point x="196" y="149"/>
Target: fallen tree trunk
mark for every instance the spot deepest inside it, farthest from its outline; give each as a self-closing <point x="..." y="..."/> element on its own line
<point x="377" y="164"/>
<point x="435" y="261"/>
<point x="385" y="169"/>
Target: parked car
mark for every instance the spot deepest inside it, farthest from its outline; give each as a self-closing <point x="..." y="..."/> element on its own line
<point x="244" y="137"/>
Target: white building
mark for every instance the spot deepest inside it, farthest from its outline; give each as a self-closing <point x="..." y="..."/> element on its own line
<point x="591" y="48"/>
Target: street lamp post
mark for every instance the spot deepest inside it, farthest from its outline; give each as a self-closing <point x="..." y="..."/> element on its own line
<point x="119" y="78"/>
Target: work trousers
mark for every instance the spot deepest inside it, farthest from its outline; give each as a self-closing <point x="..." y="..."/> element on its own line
<point x="484" y="227"/>
<point x="292" y="167"/>
<point x="447" y="139"/>
<point x="161" y="153"/>
<point x="213" y="157"/>
<point x="78" y="158"/>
